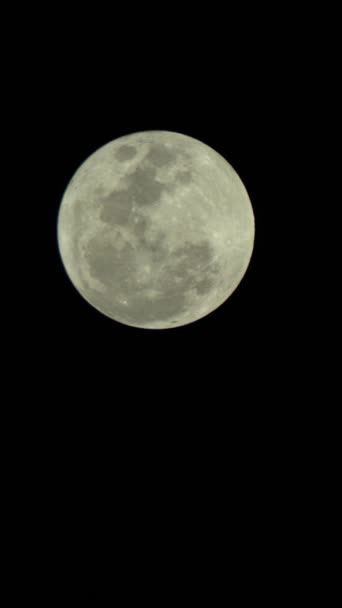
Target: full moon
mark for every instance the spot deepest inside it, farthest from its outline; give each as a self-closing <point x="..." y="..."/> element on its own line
<point x="155" y="230"/>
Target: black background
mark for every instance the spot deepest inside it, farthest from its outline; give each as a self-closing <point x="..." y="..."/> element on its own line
<point x="131" y="421"/>
<point x="103" y="383"/>
<point x="228" y="343"/>
<point x="230" y="98"/>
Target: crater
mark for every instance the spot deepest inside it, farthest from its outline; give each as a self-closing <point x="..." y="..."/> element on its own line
<point x="145" y="310"/>
<point x="184" y="177"/>
<point x="193" y="256"/>
<point x="139" y="310"/>
<point x="140" y="225"/>
<point x="204" y="286"/>
<point x="110" y="264"/>
<point x="125" y="152"/>
<point x="116" y="208"/>
<point x="143" y="187"/>
<point x="160" y="155"/>
<point x="155" y="246"/>
<point x="78" y="212"/>
<point x="127" y="301"/>
<point x="109" y="303"/>
<point x="186" y="265"/>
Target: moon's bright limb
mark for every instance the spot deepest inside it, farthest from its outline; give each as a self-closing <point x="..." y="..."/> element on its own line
<point x="155" y="229"/>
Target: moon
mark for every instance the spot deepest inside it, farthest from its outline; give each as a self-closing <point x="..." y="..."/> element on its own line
<point x="155" y="229"/>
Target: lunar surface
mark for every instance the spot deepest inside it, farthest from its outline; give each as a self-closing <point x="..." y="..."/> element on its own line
<point x="155" y="230"/>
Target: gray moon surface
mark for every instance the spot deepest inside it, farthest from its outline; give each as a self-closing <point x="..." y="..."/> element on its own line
<point x="155" y="229"/>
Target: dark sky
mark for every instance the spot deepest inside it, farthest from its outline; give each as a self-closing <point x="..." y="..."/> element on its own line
<point x="112" y="416"/>
<point x="87" y="86"/>
<point x="231" y="80"/>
